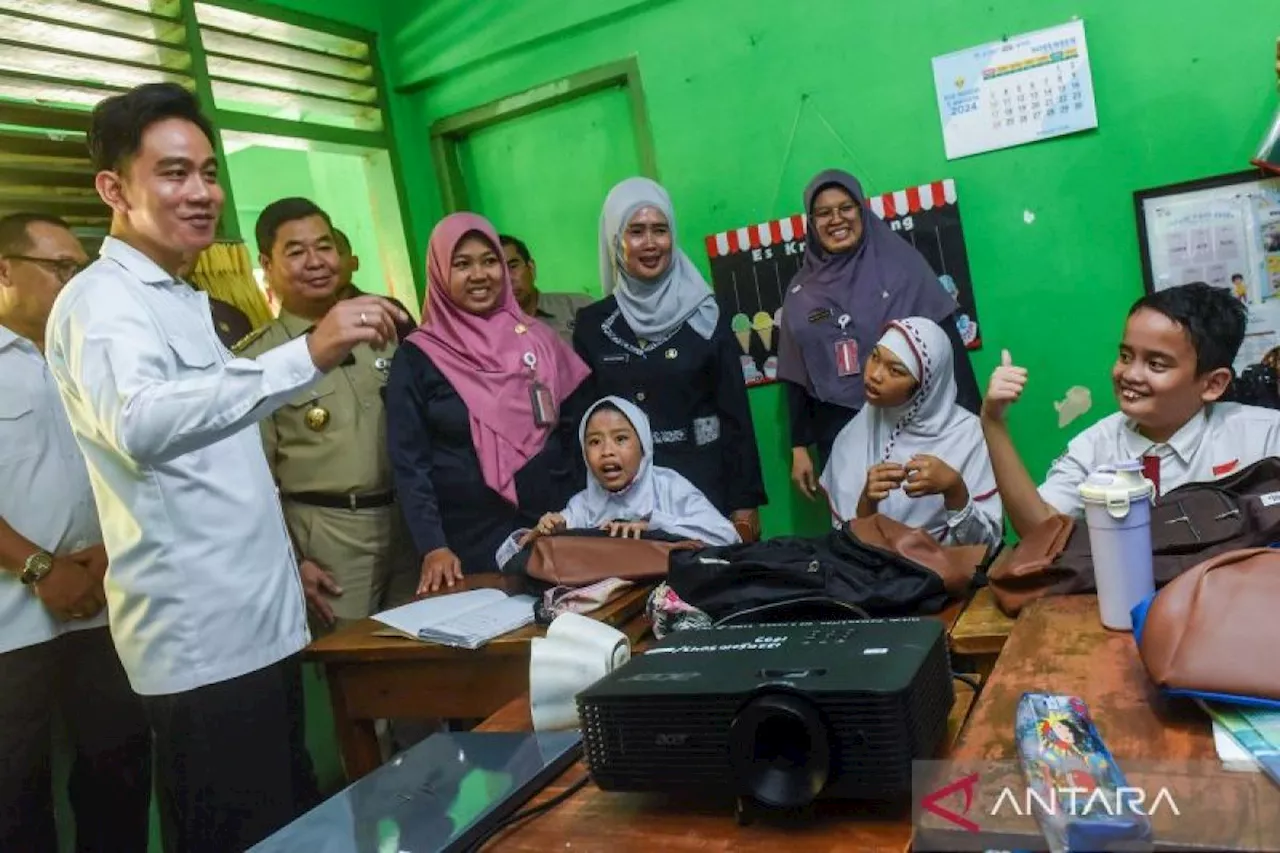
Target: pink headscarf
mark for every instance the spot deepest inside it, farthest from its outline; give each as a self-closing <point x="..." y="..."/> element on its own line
<point x="484" y="359"/>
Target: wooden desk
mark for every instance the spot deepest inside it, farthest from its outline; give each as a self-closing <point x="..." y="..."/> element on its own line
<point x="375" y="677"/>
<point x="593" y="820"/>
<point x="1059" y="645"/>
<point x="981" y="630"/>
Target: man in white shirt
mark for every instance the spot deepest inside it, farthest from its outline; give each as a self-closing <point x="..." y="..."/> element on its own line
<point x="205" y="602"/>
<point x="1173" y="366"/>
<point x="56" y="657"/>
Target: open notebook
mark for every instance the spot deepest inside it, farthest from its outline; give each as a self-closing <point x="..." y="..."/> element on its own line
<point x="467" y="620"/>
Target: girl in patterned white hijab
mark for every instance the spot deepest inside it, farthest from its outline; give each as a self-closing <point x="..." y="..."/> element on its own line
<point x="912" y="453"/>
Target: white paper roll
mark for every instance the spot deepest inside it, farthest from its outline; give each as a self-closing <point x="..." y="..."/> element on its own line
<point x="577" y="652"/>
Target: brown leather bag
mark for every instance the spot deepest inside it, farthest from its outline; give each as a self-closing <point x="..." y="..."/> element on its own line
<point x="1188" y="525"/>
<point x="1028" y="571"/>
<point x="955" y="565"/>
<point x="582" y="560"/>
<point x="1213" y="629"/>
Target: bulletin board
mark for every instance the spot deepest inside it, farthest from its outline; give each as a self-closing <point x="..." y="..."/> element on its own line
<point x="751" y="268"/>
<point x="1224" y="231"/>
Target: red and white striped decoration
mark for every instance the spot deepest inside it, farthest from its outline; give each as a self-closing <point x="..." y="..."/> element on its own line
<point x="894" y="205"/>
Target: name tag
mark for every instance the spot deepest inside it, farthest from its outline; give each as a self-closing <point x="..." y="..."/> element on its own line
<point x="1270" y="499"/>
<point x="819" y="315"/>
<point x="847" y="357"/>
<point x="620" y="358"/>
<point x="544" y="405"/>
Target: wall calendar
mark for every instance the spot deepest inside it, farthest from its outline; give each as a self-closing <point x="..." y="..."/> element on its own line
<point x="1019" y="90"/>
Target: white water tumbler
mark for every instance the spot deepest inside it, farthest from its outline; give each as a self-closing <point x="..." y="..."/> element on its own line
<point x="1117" y="505"/>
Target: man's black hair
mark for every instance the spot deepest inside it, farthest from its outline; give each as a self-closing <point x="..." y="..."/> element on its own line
<point x="521" y="249"/>
<point x="341" y="240"/>
<point x="278" y="213"/>
<point x="117" y="123"/>
<point x="15" y="238"/>
<point x="1212" y="317"/>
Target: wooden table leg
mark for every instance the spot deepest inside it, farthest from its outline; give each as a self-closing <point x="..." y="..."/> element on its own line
<point x="357" y="738"/>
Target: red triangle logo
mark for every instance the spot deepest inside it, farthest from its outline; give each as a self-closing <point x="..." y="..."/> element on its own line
<point x="967" y="784"/>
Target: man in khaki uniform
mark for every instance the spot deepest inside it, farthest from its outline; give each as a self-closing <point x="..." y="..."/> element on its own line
<point x="327" y="448"/>
<point x="557" y="310"/>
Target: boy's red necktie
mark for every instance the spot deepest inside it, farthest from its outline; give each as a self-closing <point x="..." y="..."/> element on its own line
<point x="1151" y="470"/>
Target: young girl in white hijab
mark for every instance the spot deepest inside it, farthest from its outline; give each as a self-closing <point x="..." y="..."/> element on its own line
<point x="912" y="453"/>
<point x="626" y="493"/>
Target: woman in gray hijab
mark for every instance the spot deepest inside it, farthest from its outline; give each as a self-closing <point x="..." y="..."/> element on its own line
<point x="658" y="339"/>
<point x="856" y="277"/>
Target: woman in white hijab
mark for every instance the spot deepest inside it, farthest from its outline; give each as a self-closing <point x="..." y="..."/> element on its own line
<point x="626" y="493"/>
<point x="912" y="453"/>
<point x="658" y="339"/>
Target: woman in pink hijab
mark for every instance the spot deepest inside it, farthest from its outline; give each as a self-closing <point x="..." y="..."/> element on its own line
<point x="482" y="403"/>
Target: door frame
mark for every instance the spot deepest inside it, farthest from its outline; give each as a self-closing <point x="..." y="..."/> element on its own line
<point x="448" y="133"/>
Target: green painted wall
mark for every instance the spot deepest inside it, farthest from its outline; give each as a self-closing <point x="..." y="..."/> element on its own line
<point x="563" y="157"/>
<point x="1182" y="92"/>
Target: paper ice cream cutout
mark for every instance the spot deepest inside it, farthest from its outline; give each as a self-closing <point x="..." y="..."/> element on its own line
<point x="1076" y="403"/>
<point x="741" y="325"/>
<point x="763" y="325"/>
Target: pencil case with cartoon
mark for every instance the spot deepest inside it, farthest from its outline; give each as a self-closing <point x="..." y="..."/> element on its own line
<point x="1074" y="787"/>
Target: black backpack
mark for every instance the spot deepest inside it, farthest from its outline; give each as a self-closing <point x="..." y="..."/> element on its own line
<point x="835" y="576"/>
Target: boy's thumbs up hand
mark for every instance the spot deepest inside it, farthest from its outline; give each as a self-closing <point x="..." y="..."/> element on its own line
<point x="1005" y="387"/>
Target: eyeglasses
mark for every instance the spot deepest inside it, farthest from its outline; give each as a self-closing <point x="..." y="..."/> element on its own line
<point x="64" y="268"/>
<point x="826" y="214"/>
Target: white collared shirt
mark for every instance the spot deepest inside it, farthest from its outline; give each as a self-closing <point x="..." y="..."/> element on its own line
<point x="1221" y="439"/>
<point x="45" y="494"/>
<point x="202" y="584"/>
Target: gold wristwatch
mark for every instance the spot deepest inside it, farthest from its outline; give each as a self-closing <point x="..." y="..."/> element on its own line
<point x="36" y="568"/>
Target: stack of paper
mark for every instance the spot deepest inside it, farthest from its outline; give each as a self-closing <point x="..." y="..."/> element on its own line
<point x="467" y="620"/>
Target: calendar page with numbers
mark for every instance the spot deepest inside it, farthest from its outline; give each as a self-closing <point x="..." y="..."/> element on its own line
<point x="1023" y="89"/>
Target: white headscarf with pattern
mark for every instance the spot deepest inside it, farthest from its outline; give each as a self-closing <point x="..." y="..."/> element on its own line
<point x="930" y="423"/>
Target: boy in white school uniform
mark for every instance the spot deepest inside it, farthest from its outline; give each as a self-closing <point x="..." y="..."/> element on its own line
<point x="1173" y="367"/>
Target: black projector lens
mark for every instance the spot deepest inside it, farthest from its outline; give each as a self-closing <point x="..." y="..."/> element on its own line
<point x="780" y="751"/>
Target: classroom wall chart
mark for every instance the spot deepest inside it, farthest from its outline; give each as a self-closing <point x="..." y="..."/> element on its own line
<point x="1224" y="231"/>
<point x="1022" y="89"/>
<point x="751" y="268"/>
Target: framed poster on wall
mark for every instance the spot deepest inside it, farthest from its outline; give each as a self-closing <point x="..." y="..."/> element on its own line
<point x="1224" y="231"/>
<point x="751" y="268"/>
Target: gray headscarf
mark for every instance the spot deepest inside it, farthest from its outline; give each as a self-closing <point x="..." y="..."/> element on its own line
<point x="653" y="309"/>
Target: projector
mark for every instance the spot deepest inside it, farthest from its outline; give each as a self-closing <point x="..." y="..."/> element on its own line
<point x="779" y="714"/>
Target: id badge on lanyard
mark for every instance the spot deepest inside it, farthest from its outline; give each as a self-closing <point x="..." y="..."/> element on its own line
<point x="540" y="399"/>
<point x="846" y="351"/>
